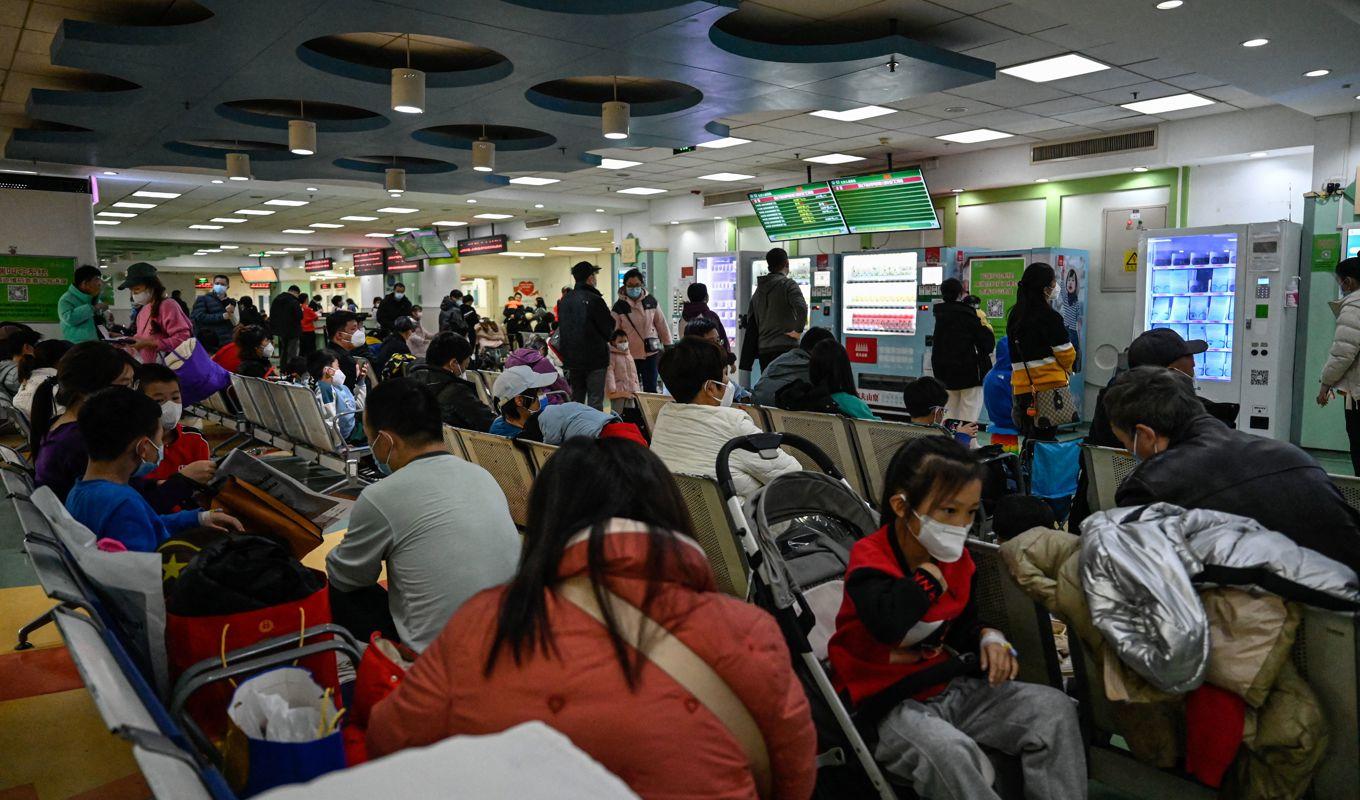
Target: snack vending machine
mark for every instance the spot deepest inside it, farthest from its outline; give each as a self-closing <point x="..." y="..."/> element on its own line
<point x="1235" y="287"/>
<point x="886" y="318"/>
<point x="722" y="274"/>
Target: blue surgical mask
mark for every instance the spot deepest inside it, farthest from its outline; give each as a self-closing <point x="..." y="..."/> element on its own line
<point x="148" y="467"/>
<point x="399" y="295"/>
<point x="219" y="289"/>
<point x="383" y="467"/>
<point x="634" y="292"/>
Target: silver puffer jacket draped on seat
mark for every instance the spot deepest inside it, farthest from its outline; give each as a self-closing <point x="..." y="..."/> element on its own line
<point x="1137" y="568"/>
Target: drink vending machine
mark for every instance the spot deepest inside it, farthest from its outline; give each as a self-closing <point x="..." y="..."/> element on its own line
<point x="723" y="274"/>
<point x="1235" y="287"/>
<point x="886" y="322"/>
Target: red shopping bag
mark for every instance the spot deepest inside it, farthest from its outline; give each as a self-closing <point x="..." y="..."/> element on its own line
<point x="190" y="640"/>
<point x="380" y="671"/>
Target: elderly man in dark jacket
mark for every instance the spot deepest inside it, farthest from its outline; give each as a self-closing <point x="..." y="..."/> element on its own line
<point x="584" y="332"/>
<point x="776" y="316"/>
<point x="1194" y="461"/>
<point x="447" y="362"/>
<point x="395" y="304"/>
<point x="212" y="322"/>
<point x="961" y="354"/>
<point x="285" y="319"/>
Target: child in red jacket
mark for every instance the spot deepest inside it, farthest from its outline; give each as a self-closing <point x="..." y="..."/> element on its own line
<point x="182" y="446"/>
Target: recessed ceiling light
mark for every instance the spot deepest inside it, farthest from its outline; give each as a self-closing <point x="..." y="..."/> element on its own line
<point x="494" y="216"/>
<point x="604" y="231"/>
<point x="975" y="136"/>
<point x="1258" y="154"/>
<point x="124" y="214"/>
<point x="574" y="249"/>
<point x="714" y="218"/>
<point x="1176" y="102"/>
<point x="1054" y="69"/>
<point x="675" y="222"/>
<point x="311" y="189"/>
<point x="406" y="230"/>
<point x="640" y="190"/>
<point x="538" y="205"/>
<point x="254" y="212"/>
<point x="218" y="180"/>
<point x="205" y="227"/>
<point x="229" y="246"/>
<point x="530" y="180"/>
<point x="725" y="176"/>
<point x="601" y="210"/>
<point x="276" y="252"/>
<point x="286" y="202"/>
<point x="956" y="191"/>
<point x="355" y="218"/>
<point x="619" y="163"/>
<point x="122" y="204"/>
<point x="397" y="210"/>
<point x="1140" y="169"/>
<point x="228" y="220"/>
<point x="1316" y="73"/>
<point x="716" y="144"/>
<point x="108" y="222"/>
<point x="854" y="114"/>
<point x="299" y="231"/>
<point x="1256" y="42"/>
<point x="377" y="235"/>
<point x="472" y="201"/>
<point x="325" y="225"/>
<point x="833" y="158"/>
<point x="1167" y="5"/>
<point x="295" y="249"/>
<point x="110" y="172"/>
<point x="157" y="195"/>
<point x="522" y="255"/>
<point x="1041" y="180"/>
<point x="448" y="223"/>
<point x="20" y="171"/>
<point x="543" y="238"/>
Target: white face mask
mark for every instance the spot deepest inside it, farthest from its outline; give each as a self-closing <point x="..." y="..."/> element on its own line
<point x="399" y="295"/>
<point x="943" y="542"/>
<point x="338" y="377"/>
<point x="141" y="298"/>
<point x="358" y="338"/>
<point x="170" y="414"/>
<point x="268" y="351"/>
<point x="729" y="392"/>
<point x="621" y="347"/>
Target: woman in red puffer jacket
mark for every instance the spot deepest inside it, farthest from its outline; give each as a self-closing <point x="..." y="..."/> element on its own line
<point x="606" y="517"/>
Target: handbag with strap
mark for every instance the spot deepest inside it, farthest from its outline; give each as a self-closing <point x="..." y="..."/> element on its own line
<point x="1048" y="408"/>
<point x="685" y="667"/>
<point x="261" y="512"/>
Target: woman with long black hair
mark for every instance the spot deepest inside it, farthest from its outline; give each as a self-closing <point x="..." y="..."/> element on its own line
<point x="1042" y="356"/>
<point x="610" y="580"/>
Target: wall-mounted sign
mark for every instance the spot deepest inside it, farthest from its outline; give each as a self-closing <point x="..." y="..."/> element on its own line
<point x="260" y="285"/>
<point x="369" y="262"/>
<point x="318" y="264"/>
<point x="396" y="263"/>
<point x="323" y="286"/>
<point x="202" y="282"/>
<point x="32" y="285"/>
<point x="339" y="285"/>
<point x="482" y="245"/>
<point x="629" y="251"/>
<point x="526" y="287"/>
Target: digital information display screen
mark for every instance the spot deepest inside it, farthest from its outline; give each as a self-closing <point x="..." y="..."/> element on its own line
<point x="887" y="201"/>
<point x="369" y="262"/>
<point x="798" y="212"/>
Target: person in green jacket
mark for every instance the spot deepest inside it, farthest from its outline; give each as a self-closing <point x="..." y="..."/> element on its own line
<point x="79" y="309"/>
<point x="829" y="368"/>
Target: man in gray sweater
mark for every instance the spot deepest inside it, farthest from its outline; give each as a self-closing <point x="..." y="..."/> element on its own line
<point x="777" y="314"/>
<point x="439" y="524"/>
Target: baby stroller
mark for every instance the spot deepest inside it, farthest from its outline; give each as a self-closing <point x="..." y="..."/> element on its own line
<point x="797" y="532"/>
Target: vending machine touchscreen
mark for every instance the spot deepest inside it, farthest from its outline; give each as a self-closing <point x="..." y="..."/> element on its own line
<point x="1192" y="284"/>
<point x="719" y="273"/>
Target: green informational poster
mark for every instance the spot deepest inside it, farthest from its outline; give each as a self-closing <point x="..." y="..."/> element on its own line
<point x="1326" y="251"/>
<point x="30" y="286"/>
<point x="994" y="281"/>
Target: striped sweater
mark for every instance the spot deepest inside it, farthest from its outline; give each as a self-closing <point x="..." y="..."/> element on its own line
<point x="1043" y="357"/>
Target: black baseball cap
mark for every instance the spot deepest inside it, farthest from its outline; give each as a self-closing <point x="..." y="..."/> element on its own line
<point x="583" y="269"/>
<point x="1160" y="347"/>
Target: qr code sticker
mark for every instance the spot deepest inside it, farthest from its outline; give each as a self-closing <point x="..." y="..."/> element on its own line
<point x="996" y="308"/>
<point x="1260" y="377"/>
<point x="18" y="294"/>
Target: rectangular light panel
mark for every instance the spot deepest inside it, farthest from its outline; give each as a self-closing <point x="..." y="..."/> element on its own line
<point x="449" y="223"/>
<point x="618" y="163"/>
<point x="725" y="176"/>
<point x="357" y="218"/>
<point x="254" y="212"/>
<point x="298" y="230"/>
<point x="1161" y="105"/>
<point x="833" y="158"/>
<point x="854" y="114"/>
<point x="1055" y="69"/>
<point x="530" y="180"/>
<point x="718" y="144"/>
<point x="975" y="136"/>
<point x="325" y="225"/>
<point x="494" y="216"/>
<point x="641" y="190"/>
<point x="157" y="195"/>
<point x="286" y="202"/>
<point x="125" y="204"/>
<point x="397" y="210"/>
<point x="228" y="220"/>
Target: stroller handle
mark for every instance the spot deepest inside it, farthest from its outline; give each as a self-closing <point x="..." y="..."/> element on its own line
<point x="765" y="445"/>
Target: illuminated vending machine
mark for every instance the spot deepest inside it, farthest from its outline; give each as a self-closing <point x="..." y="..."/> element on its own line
<point x="879" y="296"/>
<point x="722" y="274"/>
<point x="813" y="276"/>
<point x="1235" y="287"/>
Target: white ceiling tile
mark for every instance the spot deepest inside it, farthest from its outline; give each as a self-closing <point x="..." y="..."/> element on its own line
<point x="1069" y="132"/>
<point x="1157" y="68"/>
<point x="1063" y="105"/>
<point x="968" y="105"/>
<point x="1117" y="53"/>
<point x="1073" y="36"/>
<point x="1146" y="91"/>
<point x="996" y="120"/>
<point x="1201" y="111"/>
<point x="1101" y="114"/>
<point x="911" y="15"/>
<point x="1010" y="92"/>
<point x="1016" y="50"/>
<point x="1235" y="96"/>
<point x="765" y="133"/>
<point x="899" y="121"/>
<point x="964" y="33"/>
<point x="1019" y="18"/>
<point x="969" y="6"/>
<point x="940" y="128"/>
<point x="807" y="123"/>
<point x="1097" y="81"/>
<point x="1126" y="123"/>
<point x="1194" y="82"/>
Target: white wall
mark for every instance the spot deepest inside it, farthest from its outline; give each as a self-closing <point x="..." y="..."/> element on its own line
<point x="1255" y="190"/>
<point x="998" y="226"/>
<point x="36" y="223"/>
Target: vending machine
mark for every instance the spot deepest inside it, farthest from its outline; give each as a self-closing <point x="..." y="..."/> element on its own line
<point x="1235" y="287"/>
<point x="813" y="275"/>
<point x="722" y="274"/>
<point x="886" y="318"/>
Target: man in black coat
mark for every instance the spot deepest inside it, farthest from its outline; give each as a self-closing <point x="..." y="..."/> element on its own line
<point x="451" y="314"/>
<point x="285" y="319"/>
<point x="212" y="315"/>
<point x="584" y="333"/>
<point x="962" y="352"/>
<point x="1192" y="460"/>
<point x="395" y="304"/>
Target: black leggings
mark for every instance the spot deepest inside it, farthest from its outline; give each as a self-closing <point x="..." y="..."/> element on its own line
<point x="1353" y="434"/>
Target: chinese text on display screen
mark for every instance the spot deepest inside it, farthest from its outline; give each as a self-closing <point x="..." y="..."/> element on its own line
<point x="893" y="201"/>
<point x="798" y="212"/>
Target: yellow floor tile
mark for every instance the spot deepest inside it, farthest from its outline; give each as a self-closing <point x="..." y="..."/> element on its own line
<point x="58" y="743"/>
<point x="18" y="606"/>
<point x="317" y="558"/>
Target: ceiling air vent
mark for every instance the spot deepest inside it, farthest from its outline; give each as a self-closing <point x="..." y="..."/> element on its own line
<point x="726" y="198"/>
<point x="546" y="222"/>
<point x="1129" y="141"/>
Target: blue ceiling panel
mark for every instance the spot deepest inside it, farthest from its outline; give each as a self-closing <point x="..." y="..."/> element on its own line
<point x="533" y="64"/>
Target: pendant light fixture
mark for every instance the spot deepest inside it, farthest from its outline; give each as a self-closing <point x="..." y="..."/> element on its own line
<point x="408" y="86"/>
<point x="484" y="154"/>
<point x="238" y="166"/>
<point x="614" y="116"/>
<point x="302" y="134"/>
<point x="396" y="180"/>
